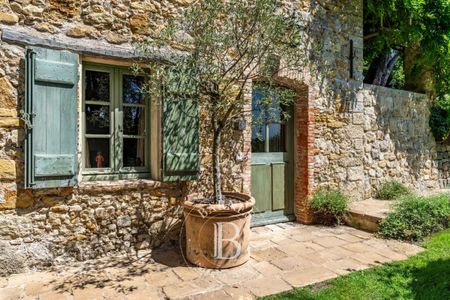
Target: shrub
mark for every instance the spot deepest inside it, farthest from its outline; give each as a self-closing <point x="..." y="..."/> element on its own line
<point x="440" y="118"/>
<point x="390" y="190"/>
<point x="414" y="217"/>
<point x="329" y="205"/>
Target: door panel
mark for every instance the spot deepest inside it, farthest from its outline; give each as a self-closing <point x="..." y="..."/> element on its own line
<point x="261" y="187"/>
<point x="278" y="186"/>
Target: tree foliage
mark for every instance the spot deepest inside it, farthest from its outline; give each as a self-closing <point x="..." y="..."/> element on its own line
<point x="403" y="24"/>
<point x="419" y="32"/>
<point x="227" y="44"/>
<point x="440" y="118"/>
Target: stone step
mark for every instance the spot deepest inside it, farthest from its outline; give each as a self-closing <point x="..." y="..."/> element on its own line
<point x="366" y="215"/>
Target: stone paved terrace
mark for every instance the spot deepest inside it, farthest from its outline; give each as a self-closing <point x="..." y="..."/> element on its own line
<point x="283" y="256"/>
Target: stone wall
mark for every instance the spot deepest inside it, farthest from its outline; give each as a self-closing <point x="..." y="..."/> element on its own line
<point x="443" y="163"/>
<point x="90" y="221"/>
<point x="374" y="134"/>
<point x="329" y="26"/>
<point x="116" y="21"/>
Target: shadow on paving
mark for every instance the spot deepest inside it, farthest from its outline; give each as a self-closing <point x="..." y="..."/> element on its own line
<point x="119" y="273"/>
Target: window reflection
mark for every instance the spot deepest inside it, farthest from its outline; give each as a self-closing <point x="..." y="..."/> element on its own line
<point x="133" y="152"/>
<point x="258" y="128"/>
<point x="268" y="129"/>
<point x="277" y="139"/>
<point x="132" y="89"/>
<point x="97" y="86"/>
<point x="133" y="120"/>
<point x="258" y="139"/>
<point x="97" y="119"/>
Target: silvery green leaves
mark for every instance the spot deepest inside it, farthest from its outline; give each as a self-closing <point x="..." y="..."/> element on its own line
<point x="272" y="100"/>
<point x="228" y="45"/>
<point x="271" y="110"/>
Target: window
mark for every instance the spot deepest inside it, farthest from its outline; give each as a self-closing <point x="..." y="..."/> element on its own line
<point x="269" y="128"/>
<point x="113" y="136"/>
<point x="116" y="122"/>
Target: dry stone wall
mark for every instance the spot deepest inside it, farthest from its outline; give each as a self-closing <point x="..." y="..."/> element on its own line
<point x="374" y="134"/>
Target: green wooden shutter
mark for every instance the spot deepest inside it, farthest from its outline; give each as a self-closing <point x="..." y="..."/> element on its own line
<point x="180" y="135"/>
<point x="51" y="106"/>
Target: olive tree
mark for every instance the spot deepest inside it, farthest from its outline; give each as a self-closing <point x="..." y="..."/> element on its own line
<point x="226" y="44"/>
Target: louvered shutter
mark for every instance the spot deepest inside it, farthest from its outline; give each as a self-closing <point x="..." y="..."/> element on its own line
<point x="180" y="135"/>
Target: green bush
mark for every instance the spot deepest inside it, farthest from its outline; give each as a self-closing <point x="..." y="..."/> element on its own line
<point x="330" y="205"/>
<point x="390" y="190"/>
<point x="414" y="217"/>
<point x="440" y="118"/>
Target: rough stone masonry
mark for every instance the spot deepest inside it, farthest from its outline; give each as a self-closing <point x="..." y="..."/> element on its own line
<point x="377" y="134"/>
<point x="357" y="137"/>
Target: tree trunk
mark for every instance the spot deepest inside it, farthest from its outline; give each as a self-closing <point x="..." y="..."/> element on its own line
<point x="381" y="68"/>
<point x="393" y="58"/>
<point x="216" y="167"/>
<point x="418" y="78"/>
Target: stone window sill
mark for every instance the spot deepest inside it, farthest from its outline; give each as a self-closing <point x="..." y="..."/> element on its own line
<point x="118" y="185"/>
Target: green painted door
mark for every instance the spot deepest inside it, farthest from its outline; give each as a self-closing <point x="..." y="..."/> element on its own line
<point x="272" y="163"/>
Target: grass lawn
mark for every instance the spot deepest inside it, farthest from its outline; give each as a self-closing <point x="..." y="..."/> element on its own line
<point x="424" y="276"/>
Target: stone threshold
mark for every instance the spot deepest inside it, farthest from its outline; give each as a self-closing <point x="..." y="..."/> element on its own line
<point x="367" y="214"/>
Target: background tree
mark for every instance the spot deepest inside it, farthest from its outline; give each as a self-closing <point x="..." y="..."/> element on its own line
<point x="407" y="46"/>
<point x="229" y="44"/>
<point x="415" y="33"/>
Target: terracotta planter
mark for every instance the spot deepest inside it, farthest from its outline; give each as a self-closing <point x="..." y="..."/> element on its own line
<point x="217" y="236"/>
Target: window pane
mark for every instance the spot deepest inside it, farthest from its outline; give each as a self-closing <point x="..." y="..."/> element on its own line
<point x="258" y="123"/>
<point x="97" y="86"/>
<point x="277" y="138"/>
<point x="133" y="120"/>
<point x="97" y="119"/>
<point x="132" y="89"/>
<point x="258" y="138"/>
<point x="97" y="153"/>
<point x="274" y="112"/>
<point x="133" y="152"/>
<point x="258" y="108"/>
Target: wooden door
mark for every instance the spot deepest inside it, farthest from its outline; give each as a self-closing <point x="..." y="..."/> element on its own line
<point x="272" y="164"/>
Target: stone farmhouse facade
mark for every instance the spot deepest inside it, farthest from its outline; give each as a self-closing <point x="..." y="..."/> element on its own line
<point x="344" y="134"/>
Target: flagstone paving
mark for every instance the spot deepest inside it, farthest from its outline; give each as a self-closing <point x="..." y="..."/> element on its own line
<point x="283" y="256"/>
